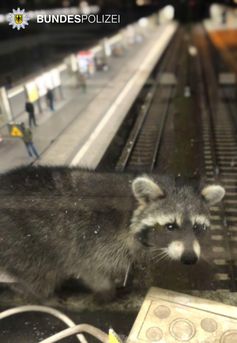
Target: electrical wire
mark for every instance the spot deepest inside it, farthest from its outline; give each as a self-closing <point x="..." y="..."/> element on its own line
<point x="44" y="309"/>
<point x="97" y="333"/>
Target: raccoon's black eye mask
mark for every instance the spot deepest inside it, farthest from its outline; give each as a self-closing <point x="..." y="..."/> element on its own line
<point x="171" y="226"/>
<point x="145" y="235"/>
<point x="199" y="228"/>
<point x="148" y="235"/>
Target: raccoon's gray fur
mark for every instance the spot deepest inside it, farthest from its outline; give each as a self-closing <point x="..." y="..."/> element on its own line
<point x="57" y="223"/>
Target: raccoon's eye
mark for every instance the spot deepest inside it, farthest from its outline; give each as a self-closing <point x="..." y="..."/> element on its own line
<point x="199" y="228"/>
<point x="171" y="226"/>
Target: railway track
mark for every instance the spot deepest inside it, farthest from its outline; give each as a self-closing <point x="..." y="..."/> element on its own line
<point x="141" y="150"/>
<point x="219" y="148"/>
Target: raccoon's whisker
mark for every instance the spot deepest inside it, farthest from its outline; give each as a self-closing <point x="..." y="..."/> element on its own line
<point x="162" y="258"/>
<point x="157" y="255"/>
<point x="156" y="258"/>
<point x="154" y="250"/>
<point x="164" y="251"/>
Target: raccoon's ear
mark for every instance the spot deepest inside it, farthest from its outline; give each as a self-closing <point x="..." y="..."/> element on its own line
<point x="146" y="190"/>
<point x="213" y="194"/>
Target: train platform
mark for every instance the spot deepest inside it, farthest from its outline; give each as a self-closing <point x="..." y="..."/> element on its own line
<point x="223" y="37"/>
<point x="218" y="23"/>
<point x="61" y="135"/>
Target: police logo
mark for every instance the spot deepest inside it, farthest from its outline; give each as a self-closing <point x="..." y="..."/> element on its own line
<point x="18" y="19"/>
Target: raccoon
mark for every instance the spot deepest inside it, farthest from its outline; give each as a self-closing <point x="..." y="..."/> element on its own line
<point x="60" y="223"/>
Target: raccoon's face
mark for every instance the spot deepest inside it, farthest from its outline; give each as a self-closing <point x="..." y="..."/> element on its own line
<point x="171" y="221"/>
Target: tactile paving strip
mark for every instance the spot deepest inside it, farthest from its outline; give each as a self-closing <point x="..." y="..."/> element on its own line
<point x="170" y="317"/>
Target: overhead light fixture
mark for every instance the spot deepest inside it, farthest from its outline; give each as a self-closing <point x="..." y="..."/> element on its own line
<point x="142" y="2"/>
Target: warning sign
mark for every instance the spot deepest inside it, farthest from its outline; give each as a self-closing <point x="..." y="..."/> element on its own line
<point x="15" y="130"/>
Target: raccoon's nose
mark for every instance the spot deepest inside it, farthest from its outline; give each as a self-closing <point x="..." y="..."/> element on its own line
<point x="189" y="258"/>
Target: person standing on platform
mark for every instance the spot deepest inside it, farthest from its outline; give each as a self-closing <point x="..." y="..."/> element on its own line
<point x="50" y="99"/>
<point x="82" y="82"/>
<point x="27" y="138"/>
<point x="29" y="107"/>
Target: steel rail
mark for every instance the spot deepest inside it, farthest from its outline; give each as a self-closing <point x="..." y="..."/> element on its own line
<point x="128" y="150"/>
<point x="211" y="96"/>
